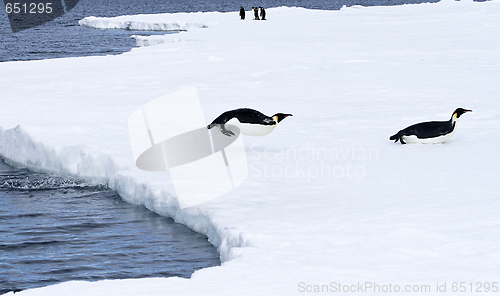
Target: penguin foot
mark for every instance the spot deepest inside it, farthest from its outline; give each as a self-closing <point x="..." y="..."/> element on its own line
<point x="226" y="132"/>
<point x="222" y="129"/>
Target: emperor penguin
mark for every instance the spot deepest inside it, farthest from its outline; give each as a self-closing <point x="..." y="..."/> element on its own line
<point x="242" y="13"/>
<point x="255" y="13"/>
<point x="262" y="13"/>
<point x="431" y="132"/>
<point x="250" y="122"/>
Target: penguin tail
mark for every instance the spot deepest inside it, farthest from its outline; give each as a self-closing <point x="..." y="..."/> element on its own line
<point x="211" y="125"/>
<point x="397" y="137"/>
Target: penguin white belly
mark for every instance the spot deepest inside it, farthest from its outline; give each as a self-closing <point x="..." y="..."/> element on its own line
<point x="437" y="140"/>
<point x="252" y="129"/>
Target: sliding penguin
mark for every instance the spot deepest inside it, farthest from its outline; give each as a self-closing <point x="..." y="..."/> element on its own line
<point x="242" y="13"/>
<point x="250" y="122"/>
<point x="432" y="132"/>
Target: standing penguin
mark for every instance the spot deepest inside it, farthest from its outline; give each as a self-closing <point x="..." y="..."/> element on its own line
<point x="262" y="13"/>
<point x="255" y="13"/>
<point x="431" y="132"/>
<point x="242" y="13"/>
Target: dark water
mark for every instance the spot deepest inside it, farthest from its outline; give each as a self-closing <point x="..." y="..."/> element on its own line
<point x="63" y="37"/>
<point x="54" y="229"/>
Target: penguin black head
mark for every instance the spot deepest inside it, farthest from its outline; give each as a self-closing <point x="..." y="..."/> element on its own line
<point x="280" y="116"/>
<point x="460" y="111"/>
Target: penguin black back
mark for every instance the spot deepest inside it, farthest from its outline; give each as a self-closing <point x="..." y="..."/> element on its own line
<point x="244" y="115"/>
<point x="425" y="130"/>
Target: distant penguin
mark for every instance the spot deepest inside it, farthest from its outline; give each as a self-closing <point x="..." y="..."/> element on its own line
<point x="262" y="13"/>
<point x="250" y="122"/>
<point x="242" y="13"/>
<point x="255" y="13"/>
<point x="432" y="132"/>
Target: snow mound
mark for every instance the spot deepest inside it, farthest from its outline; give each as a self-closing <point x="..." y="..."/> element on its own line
<point x="20" y="149"/>
<point x="128" y="23"/>
<point x="142" y="41"/>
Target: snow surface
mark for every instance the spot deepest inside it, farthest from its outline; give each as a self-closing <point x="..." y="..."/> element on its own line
<point x="329" y="199"/>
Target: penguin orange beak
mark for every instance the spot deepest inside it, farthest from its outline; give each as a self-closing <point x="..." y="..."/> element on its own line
<point x="465" y="110"/>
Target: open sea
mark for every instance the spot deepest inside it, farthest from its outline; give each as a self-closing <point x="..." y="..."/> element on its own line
<point x="55" y="229"/>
